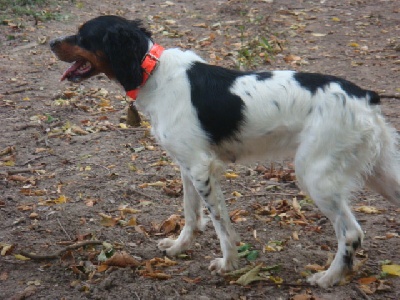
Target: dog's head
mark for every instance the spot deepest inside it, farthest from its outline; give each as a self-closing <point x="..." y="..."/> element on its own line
<point x="108" y="44"/>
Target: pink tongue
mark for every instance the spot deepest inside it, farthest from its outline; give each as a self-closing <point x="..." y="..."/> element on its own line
<point x="71" y="69"/>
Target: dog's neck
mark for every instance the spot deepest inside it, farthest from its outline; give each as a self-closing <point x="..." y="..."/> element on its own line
<point x="149" y="64"/>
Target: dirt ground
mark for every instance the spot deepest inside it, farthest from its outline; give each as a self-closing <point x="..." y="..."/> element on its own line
<point x="71" y="172"/>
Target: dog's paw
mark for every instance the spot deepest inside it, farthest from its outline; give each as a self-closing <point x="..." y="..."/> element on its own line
<point x="221" y="266"/>
<point x="324" y="279"/>
<point x="170" y="247"/>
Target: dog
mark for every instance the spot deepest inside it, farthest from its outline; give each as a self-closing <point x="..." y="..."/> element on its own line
<point x="206" y="116"/>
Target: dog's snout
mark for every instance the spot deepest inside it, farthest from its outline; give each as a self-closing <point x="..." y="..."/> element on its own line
<point x="54" y="43"/>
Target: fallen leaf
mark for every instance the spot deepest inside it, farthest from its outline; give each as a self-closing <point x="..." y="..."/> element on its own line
<point x="367" y="280"/>
<point x="172" y="224"/>
<point x="230" y="175"/>
<point x="6" y="248"/>
<point x="190" y="280"/>
<point x="291" y="58"/>
<point x="102" y="268"/>
<point x="354" y="45"/>
<point x="251" y="276"/>
<point x="393" y="270"/>
<point x="21" y="257"/>
<point x="107" y="220"/>
<point x="318" y="34"/>
<point x="122" y="259"/>
<point x="368" y="209"/>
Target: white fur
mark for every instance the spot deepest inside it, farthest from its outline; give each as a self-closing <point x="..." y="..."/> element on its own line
<point x="337" y="148"/>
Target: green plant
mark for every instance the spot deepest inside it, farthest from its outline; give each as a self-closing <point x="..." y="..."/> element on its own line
<point x="43" y="10"/>
<point x="255" y="48"/>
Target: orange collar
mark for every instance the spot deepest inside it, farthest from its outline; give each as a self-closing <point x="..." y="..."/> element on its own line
<point x="149" y="64"/>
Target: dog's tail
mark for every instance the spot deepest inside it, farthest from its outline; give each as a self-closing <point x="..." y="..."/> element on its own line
<point x="385" y="176"/>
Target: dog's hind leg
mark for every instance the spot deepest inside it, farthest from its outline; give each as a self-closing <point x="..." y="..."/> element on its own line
<point x="328" y="179"/>
<point x="194" y="220"/>
<point x="385" y="176"/>
<point x="333" y="203"/>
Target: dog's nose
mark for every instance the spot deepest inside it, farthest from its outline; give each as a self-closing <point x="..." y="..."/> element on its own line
<point x="54" y="43"/>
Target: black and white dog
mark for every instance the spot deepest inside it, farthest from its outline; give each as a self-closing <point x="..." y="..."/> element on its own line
<point x="206" y="115"/>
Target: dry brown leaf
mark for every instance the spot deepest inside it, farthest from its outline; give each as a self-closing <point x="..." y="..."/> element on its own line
<point x="102" y="268"/>
<point x="291" y="58"/>
<point x="157" y="275"/>
<point x="368" y="209"/>
<point x="107" y="220"/>
<point x="190" y="280"/>
<point x="172" y="224"/>
<point x="122" y="259"/>
<point x="367" y="280"/>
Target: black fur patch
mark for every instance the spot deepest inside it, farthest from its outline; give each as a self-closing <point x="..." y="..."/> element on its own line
<point x="315" y="81"/>
<point x="348" y="260"/>
<point x="264" y="76"/>
<point x="220" y="112"/>
<point x="123" y="42"/>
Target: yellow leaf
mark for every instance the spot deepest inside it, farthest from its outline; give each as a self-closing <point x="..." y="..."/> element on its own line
<point x="88" y="168"/>
<point x="318" y="34"/>
<point x="61" y="200"/>
<point x="131" y="222"/>
<point x="128" y="210"/>
<point x="9" y="163"/>
<point x="391" y="269"/>
<point x="26" y="99"/>
<point x="250" y="276"/>
<point x="107" y="221"/>
<point x="354" y="45"/>
<point x="156" y="184"/>
<point x="231" y="175"/>
<point x="123" y="125"/>
<point x="276" y="279"/>
<point x="236" y="194"/>
<point x="368" y="209"/>
<point x="269" y="248"/>
<point x="335" y="19"/>
<point x="5" y="248"/>
<point x="21" y="257"/>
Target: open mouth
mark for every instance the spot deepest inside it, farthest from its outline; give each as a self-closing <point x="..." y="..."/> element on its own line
<point x="79" y="70"/>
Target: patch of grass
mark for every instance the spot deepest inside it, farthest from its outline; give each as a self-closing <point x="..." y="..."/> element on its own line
<point x="256" y="50"/>
<point x="41" y="10"/>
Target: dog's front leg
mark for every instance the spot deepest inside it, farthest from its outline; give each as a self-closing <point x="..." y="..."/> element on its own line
<point x="204" y="178"/>
<point x="194" y="221"/>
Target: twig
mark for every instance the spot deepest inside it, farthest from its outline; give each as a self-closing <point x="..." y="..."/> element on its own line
<point x="23" y="170"/>
<point x="141" y="194"/>
<point x="101" y="166"/>
<point x="35" y="158"/>
<point x="63" y="229"/>
<point x="26" y="126"/>
<point x="58" y="253"/>
<point x="393" y="96"/>
<point x="263" y="195"/>
<point x="137" y="296"/>
<point x="134" y="129"/>
<point x="362" y="293"/>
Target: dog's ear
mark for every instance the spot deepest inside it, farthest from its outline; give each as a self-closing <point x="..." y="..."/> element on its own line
<point x="125" y="46"/>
